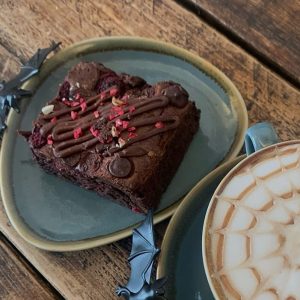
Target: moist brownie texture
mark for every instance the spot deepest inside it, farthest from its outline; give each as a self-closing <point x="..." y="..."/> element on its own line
<point x="115" y="134"/>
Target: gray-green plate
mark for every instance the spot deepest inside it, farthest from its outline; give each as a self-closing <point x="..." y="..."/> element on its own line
<point x="181" y="252"/>
<point x="54" y="214"/>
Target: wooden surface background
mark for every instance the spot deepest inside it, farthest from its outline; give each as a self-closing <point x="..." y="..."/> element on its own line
<point x="268" y="29"/>
<point x="250" y="47"/>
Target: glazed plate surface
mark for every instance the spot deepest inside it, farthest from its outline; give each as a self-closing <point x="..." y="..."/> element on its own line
<point x="54" y="214"/>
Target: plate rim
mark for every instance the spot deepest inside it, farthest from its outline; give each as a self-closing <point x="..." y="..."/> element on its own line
<point x="183" y="208"/>
<point x="109" y="44"/>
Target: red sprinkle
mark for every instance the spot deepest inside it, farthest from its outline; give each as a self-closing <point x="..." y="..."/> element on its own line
<point x="125" y="97"/>
<point x="83" y="106"/>
<point x="67" y="102"/>
<point x="74" y="115"/>
<point x="130" y="129"/>
<point x="131" y="108"/>
<point x="53" y="120"/>
<point x="125" y="124"/>
<point x="77" y="96"/>
<point x="94" y="132"/>
<point x="113" y="92"/>
<point x="49" y="139"/>
<point x="74" y="103"/>
<point x="159" y="125"/>
<point x="102" y="95"/>
<point x="119" y="123"/>
<point x="77" y="133"/>
<point x="132" y="135"/>
<point x="119" y="110"/>
<point x="97" y="114"/>
<point x="111" y="116"/>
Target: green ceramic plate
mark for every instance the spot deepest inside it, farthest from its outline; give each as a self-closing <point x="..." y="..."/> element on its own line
<point x="54" y="214"/>
<point x="181" y="251"/>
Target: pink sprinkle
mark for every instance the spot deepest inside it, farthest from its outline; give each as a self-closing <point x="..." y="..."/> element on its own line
<point x="102" y="95"/>
<point x="130" y="129"/>
<point x="67" y="102"/>
<point x="119" y="110"/>
<point x="113" y="92"/>
<point x="125" y="124"/>
<point x="83" y="106"/>
<point x="77" y="96"/>
<point x="97" y="114"/>
<point x="77" y="133"/>
<point x="111" y="116"/>
<point x="74" y="115"/>
<point x="131" y="109"/>
<point x="74" y="103"/>
<point x="94" y="132"/>
<point x="53" y="120"/>
<point x="132" y="135"/>
<point x="81" y="100"/>
<point x="159" y="125"/>
<point x="49" y="139"/>
<point x="119" y="123"/>
<point x="125" y="97"/>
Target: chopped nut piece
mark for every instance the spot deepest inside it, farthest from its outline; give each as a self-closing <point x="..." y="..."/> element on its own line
<point x="46" y="110"/>
<point x="151" y="154"/>
<point x="117" y="102"/>
<point x="121" y="142"/>
<point x="114" y="131"/>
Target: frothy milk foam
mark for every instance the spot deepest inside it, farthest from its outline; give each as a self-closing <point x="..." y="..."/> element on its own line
<point x="254" y="234"/>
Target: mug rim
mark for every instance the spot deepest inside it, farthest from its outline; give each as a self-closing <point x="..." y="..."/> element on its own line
<point x="214" y="284"/>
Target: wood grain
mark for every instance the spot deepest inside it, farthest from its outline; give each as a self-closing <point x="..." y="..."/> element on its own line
<point x="89" y="274"/>
<point x="17" y="279"/>
<point x="94" y="274"/>
<point x="268" y="28"/>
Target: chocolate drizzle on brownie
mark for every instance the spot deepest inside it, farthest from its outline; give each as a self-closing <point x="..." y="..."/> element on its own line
<point x="96" y="130"/>
<point x="106" y="122"/>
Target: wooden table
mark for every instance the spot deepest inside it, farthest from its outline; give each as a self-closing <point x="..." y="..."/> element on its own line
<point x="255" y="43"/>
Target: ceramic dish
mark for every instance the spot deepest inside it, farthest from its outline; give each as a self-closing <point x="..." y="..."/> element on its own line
<point x="54" y="214"/>
<point x="181" y="251"/>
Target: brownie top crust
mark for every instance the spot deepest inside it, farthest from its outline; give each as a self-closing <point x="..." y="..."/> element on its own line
<point x="111" y="126"/>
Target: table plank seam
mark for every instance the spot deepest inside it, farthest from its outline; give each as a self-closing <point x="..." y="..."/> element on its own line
<point x="213" y="22"/>
<point x="29" y="266"/>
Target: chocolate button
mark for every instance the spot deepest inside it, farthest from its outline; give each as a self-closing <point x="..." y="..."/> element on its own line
<point x="120" y="167"/>
<point x="177" y="95"/>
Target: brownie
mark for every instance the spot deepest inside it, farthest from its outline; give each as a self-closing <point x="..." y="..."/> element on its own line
<point x="115" y="134"/>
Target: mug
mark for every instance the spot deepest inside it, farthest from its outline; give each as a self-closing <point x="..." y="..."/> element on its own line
<point x="251" y="234"/>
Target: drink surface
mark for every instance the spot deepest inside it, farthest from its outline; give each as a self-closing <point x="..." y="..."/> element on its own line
<point x="253" y="235"/>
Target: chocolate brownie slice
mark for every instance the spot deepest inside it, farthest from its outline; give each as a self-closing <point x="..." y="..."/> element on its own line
<point x="115" y="134"/>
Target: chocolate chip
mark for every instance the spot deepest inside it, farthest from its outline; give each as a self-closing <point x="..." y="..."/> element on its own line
<point x="120" y="167"/>
<point x="177" y="95"/>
